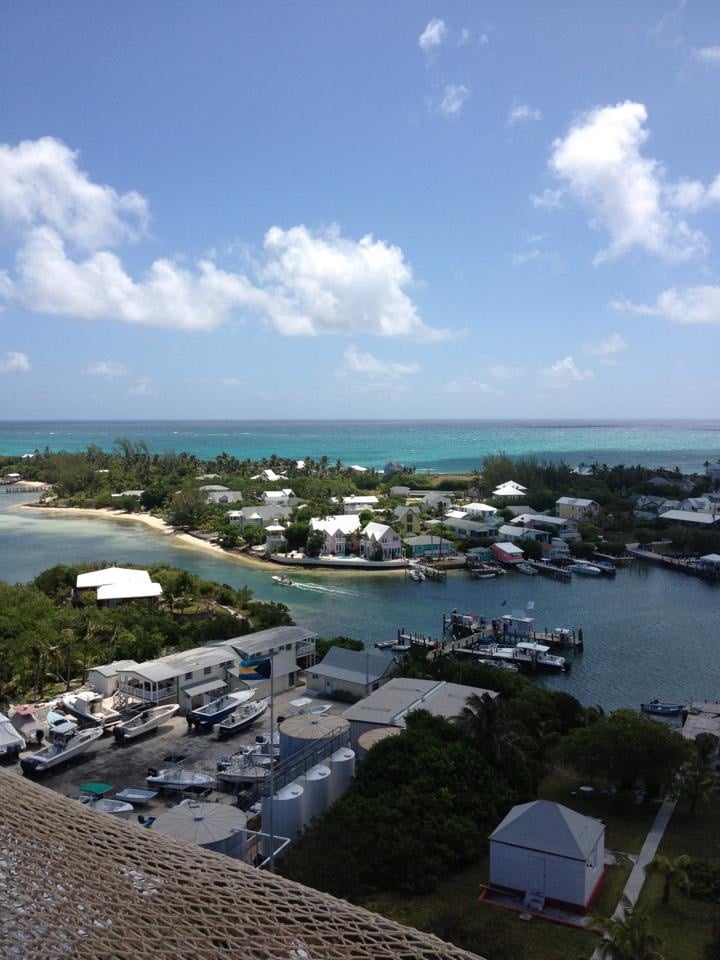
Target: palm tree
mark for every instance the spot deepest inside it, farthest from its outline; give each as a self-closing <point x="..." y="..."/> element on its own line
<point x="696" y="782"/>
<point x="485" y="722"/>
<point x="673" y="872"/>
<point x="628" y="937"/>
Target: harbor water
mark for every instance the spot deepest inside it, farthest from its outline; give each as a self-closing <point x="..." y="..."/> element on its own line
<point x="649" y="632"/>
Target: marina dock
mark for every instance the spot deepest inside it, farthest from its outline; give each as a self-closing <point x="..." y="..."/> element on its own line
<point x="550" y="570"/>
<point x="690" y="567"/>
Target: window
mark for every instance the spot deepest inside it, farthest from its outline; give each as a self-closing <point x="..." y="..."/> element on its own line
<point x="188" y="676"/>
<point x="207" y="671"/>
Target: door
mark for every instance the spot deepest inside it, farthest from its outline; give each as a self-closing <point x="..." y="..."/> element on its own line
<point x="536" y="875"/>
<point x="328" y="688"/>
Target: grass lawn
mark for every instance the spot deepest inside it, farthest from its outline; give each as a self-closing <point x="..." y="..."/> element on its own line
<point x="685" y="925"/>
<point x="454" y="913"/>
<point x="626" y="822"/>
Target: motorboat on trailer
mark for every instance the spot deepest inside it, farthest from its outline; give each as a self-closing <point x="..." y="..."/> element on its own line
<point x="144" y="722"/>
<point x="283" y="581"/>
<point x="660" y="709"/>
<point x="88" y="707"/>
<point x="177" y="778"/>
<point x="63" y="746"/>
<point x="215" y="711"/>
<point x="240" y="719"/>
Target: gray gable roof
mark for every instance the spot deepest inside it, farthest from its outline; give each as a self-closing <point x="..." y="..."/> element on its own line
<point x="549" y="828"/>
<point x="352" y="666"/>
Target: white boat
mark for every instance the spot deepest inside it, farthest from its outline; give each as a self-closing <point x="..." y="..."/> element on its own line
<point x="250" y="767"/>
<point x="527" y="656"/>
<point x="116" y="808"/>
<point x="526" y="569"/>
<point x="283" y="581"/>
<point x="240" y="719"/>
<point x="217" y="710"/>
<point x="144" y="722"/>
<point x="177" y="778"/>
<point x="88" y="707"/>
<point x="11" y="742"/>
<point x="136" y="795"/>
<point x="416" y="574"/>
<point x="62" y="747"/>
<point x="584" y="568"/>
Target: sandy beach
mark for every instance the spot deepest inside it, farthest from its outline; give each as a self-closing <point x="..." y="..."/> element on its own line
<point x="157" y="525"/>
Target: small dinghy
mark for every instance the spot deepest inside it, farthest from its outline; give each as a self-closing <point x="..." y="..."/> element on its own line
<point x="176" y="778"/>
<point x="661" y="709"/>
<point x="283" y="581"/>
<point x="93" y="796"/>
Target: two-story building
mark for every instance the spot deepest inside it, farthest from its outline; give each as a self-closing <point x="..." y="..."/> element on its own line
<point x="259" y="516"/>
<point x="341" y="532"/>
<point x="278" y="498"/>
<point x="577" y="508"/>
<point x="380" y="538"/>
<point x="407" y="520"/>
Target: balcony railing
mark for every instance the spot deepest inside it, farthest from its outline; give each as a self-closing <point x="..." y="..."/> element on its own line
<point x="155" y="695"/>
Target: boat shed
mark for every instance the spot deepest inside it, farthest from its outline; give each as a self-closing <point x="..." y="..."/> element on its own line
<point x="549" y="854"/>
<point x="389" y="705"/>
<point x="352" y="672"/>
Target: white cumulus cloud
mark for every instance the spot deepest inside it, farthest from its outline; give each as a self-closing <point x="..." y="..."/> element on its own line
<point x="41" y="184"/>
<point x="357" y="362"/>
<point x="523" y="113"/>
<point x="468" y="387"/>
<point x="548" y="199"/>
<point x="106" y="368"/>
<point x="709" y="56"/>
<point x="502" y="371"/>
<point x="608" y="347"/>
<point x="453" y="100"/>
<point x="433" y="35"/>
<point x="625" y="193"/>
<point x="305" y="283"/>
<point x="693" y="305"/>
<point x="564" y="373"/>
<point x="142" y="387"/>
<point x="15" y="362"/>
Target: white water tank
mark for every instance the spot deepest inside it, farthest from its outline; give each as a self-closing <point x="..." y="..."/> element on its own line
<point x="288" y="811"/>
<point x="214" y="826"/>
<point x="368" y="739"/>
<point x="317" y="782"/>
<point x="342" y="765"/>
<point x="306" y="729"/>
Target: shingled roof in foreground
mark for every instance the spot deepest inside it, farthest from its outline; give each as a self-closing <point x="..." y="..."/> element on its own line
<point x="75" y="883"/>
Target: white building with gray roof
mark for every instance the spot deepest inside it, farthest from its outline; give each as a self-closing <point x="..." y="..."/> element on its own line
<point x="549" y="854"/>
<point x="353" y="672"/>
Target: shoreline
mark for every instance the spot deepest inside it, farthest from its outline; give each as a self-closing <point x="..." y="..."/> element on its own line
<point x="187" y="540"/>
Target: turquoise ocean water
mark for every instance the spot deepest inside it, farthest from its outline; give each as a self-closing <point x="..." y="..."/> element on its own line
<point x="447" y="445"/>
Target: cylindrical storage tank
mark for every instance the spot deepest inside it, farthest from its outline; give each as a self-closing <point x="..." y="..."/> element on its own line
<point x="342" y="764"/>
<point x="305" y="729"/>
<point x="368" y="739"/>
<point x="214" y="826"/>
<point x="317" y="783"/>
<point x="288" y="812"/>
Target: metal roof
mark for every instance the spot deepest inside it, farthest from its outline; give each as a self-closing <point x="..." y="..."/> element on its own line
<point x="99" y="578"/>
<point x="265" y="640"/>
<point x="549" y="828"/>
<point x="352" y="666"/>
<point x="204" y="686"/>
<point x="132" y="590"/>
<point x="389" y="704"/>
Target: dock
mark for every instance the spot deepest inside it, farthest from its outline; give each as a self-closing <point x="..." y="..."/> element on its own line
<point x="690" y="567"/>
<point x="550" y="570"/>
<point x="429" y="571"/>
<point x="508" y="629"/>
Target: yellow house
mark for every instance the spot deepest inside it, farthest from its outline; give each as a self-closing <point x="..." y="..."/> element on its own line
<point x="407" y="520"/>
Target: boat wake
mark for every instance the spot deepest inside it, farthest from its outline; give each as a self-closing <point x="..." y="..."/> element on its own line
<point x="319" y="588"/>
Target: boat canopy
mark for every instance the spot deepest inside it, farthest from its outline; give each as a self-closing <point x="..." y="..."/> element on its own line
<point x="533" y="647"/>
<point x="95" y="788"/>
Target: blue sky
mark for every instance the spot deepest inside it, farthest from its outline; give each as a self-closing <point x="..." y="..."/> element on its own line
<point x="338" y="209"/>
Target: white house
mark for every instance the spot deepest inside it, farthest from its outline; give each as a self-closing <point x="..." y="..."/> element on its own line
<point x="119" y="585"/>
<point x="549" y="854"/>
<point x="358" y="504"/>
<point x="270" y="476"/>
<point x="510" y="489"/>
<point x="354" y="672"/>
<point x="224" y="496"/>
<point x="479" y="510"/>
<point x="11" y="478"/>
<point x="461" y="524"/>
<point x="342" y="533"/>
<point x="258" y="516"/>
<point x="277" y="498"/>
<point x="561" y="526"/>
<point x="380" y="535"/>
<point x="190" y="678"/>
<point x="275" y="537"/>
<point x="577" y="508"/>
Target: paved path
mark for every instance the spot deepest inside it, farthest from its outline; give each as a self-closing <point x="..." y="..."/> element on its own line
<point x="637" y="876"/>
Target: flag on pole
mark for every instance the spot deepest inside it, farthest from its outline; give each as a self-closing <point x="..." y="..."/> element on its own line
<point x="260" y="668"/>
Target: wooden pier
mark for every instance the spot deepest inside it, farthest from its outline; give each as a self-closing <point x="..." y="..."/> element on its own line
<point x="689" y="567"/>
<point x="428" y="571"/>
<point x="549" y="570"/>
<point x="461" y="626"/>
